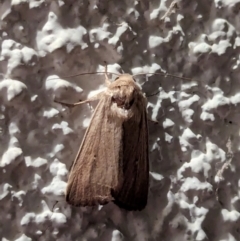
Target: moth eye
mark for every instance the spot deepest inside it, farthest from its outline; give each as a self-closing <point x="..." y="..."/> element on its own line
<point x="131" y="102"/>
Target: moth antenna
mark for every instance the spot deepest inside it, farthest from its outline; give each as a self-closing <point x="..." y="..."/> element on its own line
<point x="75" y="75"/>
<point x="107" y="81"/>
<point x="99" y="72"/>
<point x="153" y="94"/>
<point x="166" y="75"/>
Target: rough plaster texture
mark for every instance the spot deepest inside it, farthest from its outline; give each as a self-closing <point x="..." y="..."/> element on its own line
<point x="194" y="150"/>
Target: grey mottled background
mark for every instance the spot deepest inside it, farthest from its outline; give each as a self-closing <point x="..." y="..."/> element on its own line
<point x="194" y="150"/>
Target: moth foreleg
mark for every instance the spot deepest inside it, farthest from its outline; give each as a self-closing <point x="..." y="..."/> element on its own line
<point x="93" y="98"/>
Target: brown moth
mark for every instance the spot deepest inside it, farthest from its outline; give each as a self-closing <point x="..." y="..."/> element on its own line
<point x="112" y="162"/>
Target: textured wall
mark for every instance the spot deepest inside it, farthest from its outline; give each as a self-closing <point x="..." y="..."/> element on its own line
<point x="194" y="150"/>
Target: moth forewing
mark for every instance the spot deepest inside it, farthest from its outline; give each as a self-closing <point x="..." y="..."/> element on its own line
<point x="95" y="171"/>
<point x="112" y="162"/>
<point x="134" y="192"/>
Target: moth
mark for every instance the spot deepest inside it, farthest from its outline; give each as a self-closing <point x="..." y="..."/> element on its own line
<point x="112" y="164"/>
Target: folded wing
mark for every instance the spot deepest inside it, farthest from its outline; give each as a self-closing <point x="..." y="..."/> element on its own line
<point x="133" y="193"/>
<point x="96" y="170"/>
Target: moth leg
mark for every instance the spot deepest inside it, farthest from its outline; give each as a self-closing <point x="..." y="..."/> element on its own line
<point x="154" y="121"/>
<point x="93" y="98"/>
<point x="174" y="5"/>
<point x="107" y="81"/>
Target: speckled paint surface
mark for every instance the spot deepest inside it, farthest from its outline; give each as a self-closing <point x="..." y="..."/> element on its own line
<point x="194" y="149"/>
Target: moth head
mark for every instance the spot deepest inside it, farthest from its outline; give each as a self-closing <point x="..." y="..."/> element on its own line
<point x="124" y="91"/>
<point x="125" y="76"/>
